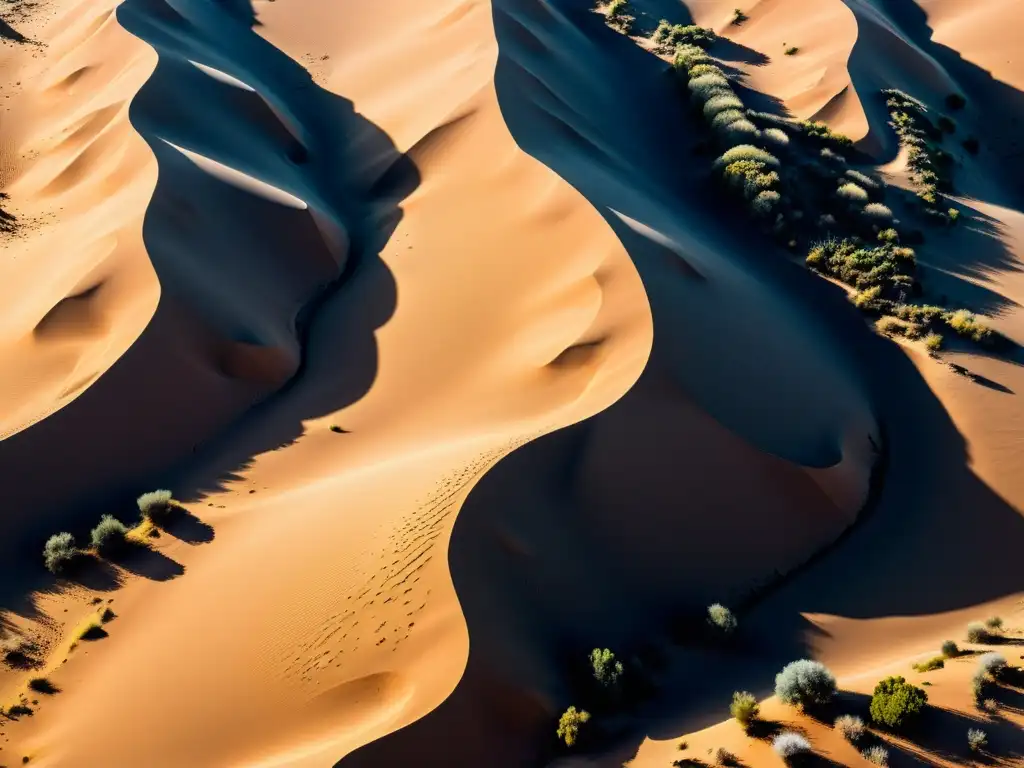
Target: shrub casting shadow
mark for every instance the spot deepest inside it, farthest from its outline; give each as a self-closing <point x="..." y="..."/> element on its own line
<point x="189" y="528"/>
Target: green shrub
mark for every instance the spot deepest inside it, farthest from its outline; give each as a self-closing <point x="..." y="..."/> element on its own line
<point x="977" y="632"/>
<point x="60" y="552"/>
<point x="950" y="649"/>
<point x="863" y="180"/>
<point x="607" y="670"/>
<point x="977" y="739"/>
<point x="994" y="623"/>
<point x="744" y="708"/>
<point x="740" y="132"/>
<point x="707" y="87"/>
<point x="878" y="213"/>
<point x="978" y="685"/>
<point x="965" y="324"/>
<point x="953" y="215"/>
<point x="689" y="56"/>
<point x="897" y="703"/>
<point x="956" y="101"/>
<point x="894" y="326"/>
<point x="697" y="70"/>
<point x="720" y="103"/>
<point x="751" y="177"/>
<point x="876" y="755"/>
<point x="721" y="618"/>
<point x="852" y="192"/>
<point x="727" y="116"/>
<point x="805" y="683"/>
<point x="889" y="235"/>
<point x="822" y="132"/>
<point x="933" y="342"/>
<point x="851" y="727"/>
<point x="156" y="506"/>
<point x="109" y="536"/>
<point x="747" y="152"/>
<point x="936" y="662"/>
<point x="868" y="299"/>
<point x="569" y="725"/>
<point x="668" y="36"/>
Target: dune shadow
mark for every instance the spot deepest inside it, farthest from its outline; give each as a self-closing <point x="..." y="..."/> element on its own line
<point x="906" y="552"/>
<point x="189" y="528"/>
<point x="267" y="311"/>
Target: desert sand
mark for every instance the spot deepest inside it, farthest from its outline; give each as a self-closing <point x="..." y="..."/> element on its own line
<point x="424" y="313"/>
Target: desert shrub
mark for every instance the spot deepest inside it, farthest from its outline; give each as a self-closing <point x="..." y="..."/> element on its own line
<point x="790" y="745"/>
<point x="994" y="623"/>
<point x="569" y="725"/>
<point x="738" y="16"/>
<point x="792" y="50"/>
<point x="933" y="342"/>
<point x="852" y="192"/>
<point x="109" y="536"/>
<point x="863" y="180"/>
<point x="953" y="215"/>
<point x="618" y="8"/>
<point x="776" y="136"/>
<point x="720" y="103"/>
<point x="697" y="70"/>
<point x="750" y="177"/>
<point x="822" y="132"/>
<point x="721" y="618"/>
<point x="977" y="632"/>
<point x="851" y="727"/>
<point x="977" y="739"/>
<point x="689" y="56"/>
<point x="829" y="156"/>
<point x="747" y="152"/>
<point x="156" y="506"/>
<point x="765" y="202"/>
<point x="42" y="685"/>
<point x="876" y="755"/>
<point x="744" y="708"/>
<point x="725" y="117"/>
<point x="990" y="705"/>
<point x="991" y="665"/>
<point x="668" y="36"/>
<point x="867" y="299"/>
<point x="896" y="703"/>
<point x="877" y="213"/>
<point x="978" y="685"/>
<point x="972" y="145"/>
<point x="936" y="662"/>
<point x="889" y="235"/>
<point x="740" y="132"/>
<point x="956" y="101"/>
<point x="606" y="668"/>
<point x="894" y="326"/>
<point x="60" y="552"/>
<point x="805" y="682"/>
<point x="950" y="649"/>
<point x="965" y="324"/>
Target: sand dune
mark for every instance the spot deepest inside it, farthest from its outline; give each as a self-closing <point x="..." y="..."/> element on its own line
<point x="425" y="313"/>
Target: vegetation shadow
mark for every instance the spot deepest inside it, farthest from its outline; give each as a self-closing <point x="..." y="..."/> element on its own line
<point x="187" y="527"/>
<point x="150" y="563"/>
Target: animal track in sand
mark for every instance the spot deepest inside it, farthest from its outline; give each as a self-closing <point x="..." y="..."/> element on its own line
<point x="409" y="550"/>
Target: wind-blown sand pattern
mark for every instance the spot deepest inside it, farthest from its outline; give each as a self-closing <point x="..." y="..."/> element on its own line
<point x="425" y="314"/>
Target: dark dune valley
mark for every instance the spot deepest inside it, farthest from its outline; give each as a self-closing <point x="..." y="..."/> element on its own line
<point x="511" y="383"/>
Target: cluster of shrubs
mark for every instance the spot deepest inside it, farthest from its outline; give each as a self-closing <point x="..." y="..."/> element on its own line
<point x="667" y="37"/>
<point x="619" y="17"/>
<point x="930" y="166"/>
<point x="110" y="536"/>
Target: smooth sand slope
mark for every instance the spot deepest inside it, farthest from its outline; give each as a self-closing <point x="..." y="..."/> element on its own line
<point x="573" y="401"/>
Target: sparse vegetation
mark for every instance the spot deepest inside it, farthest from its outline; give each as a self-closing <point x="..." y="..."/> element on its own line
<point x="876" y="755"/>
<point x="738" y="17"/>
<point x="619" y="16"/>
<point x="977" y="739"/>
<point x="42" y="685"/>
<point x="60" y="552"/>
<point x="108" y="537"/>
<point x="977" y="632"/>
<point x="950" y="649"/>
<point x="933" y="342"/>
<point x="792" y="50"/>
<point x="805" y="683"/>
<point x="992" y="665"/>
<point x="896" y="703"/>
<point x="851" y="727"/>
<point x="721" y="618"/>
<point x="744" y="708"/>
<point x="668" y="36"/>
<point x="606" y="668"/>
<point x="994" y="623"/>
<point x="569" y="725"/>
<point x="156" y="506"/>
<point x="936" y="662"/>
<point x="724" y="757"/>
<point x="790" y="746"/>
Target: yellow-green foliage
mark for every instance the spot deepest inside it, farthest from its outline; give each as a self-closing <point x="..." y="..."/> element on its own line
<point x="867" y="298"/>
<point x="963" y="323"/>
<point x="893" y="326"/>
<point x="569" y="725"/>
<point x="933" y="342"/>
<point x="936" y="662"/>
<point x="744" y="708"/>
